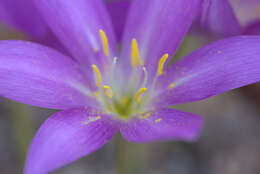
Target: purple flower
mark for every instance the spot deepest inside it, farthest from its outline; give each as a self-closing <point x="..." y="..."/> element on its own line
<point x="215" y="17"/>
<point x="229" y="17"/>
<point x="247" y="12"/>
<point x="101" y="90"/>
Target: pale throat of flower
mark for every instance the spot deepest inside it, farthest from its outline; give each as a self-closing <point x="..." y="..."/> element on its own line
<point x="124" y="105"/>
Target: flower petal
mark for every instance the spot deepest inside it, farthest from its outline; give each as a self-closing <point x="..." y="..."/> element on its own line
<point x="217" y="16"/>
<point x="118" y="11"/>
<point x="215" y="68"/>
<point x="67" y="136"/>
<point x="77" y="25"/>
<point x="253" y="28"/>
<point x="162" y="124"/>
<point x="40" y="76"/>
<point x="246" y="10"/>
<point x="159" y="27"/>
<point x="24" y="17"/>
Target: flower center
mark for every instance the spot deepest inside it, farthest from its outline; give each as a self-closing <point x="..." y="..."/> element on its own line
<point x="131" y="95"/>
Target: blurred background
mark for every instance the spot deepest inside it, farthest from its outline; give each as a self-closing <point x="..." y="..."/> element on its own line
<point x="229" y="143"/>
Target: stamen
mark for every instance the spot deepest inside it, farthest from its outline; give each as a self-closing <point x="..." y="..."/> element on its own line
<point x="158" y="120"/>
<point x="114" y="60"/>
<point x="98" y="77"/>
<point x="145" y="77"/>
<point x="161" y="64"/>
<point x="108" y="91"/>
<point x="91" y="119"/>
<point x="112" y="69"/>
<point x="147" y="115"/>
<point x="104" y="41"/>
<point x="171" y="86"/>
<point x="139" y="93"/>
<point x="98" y="117"/>
<point x="135" y="58"/>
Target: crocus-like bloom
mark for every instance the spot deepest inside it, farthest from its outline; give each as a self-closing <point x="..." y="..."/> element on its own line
<point x="215" y="17"/>
<point x="248" y="14"/>
<point x="101" y="90"/>
<point x="229" y="17"/>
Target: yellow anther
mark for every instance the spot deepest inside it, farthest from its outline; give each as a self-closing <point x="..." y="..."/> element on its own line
<point x="135" y="58"/>
<point x="161" y="64"/>
<point x="171" y="86"/>
<point x="98" y="117"/>
<point x="108" y="91"/>
<point x="147" y="115"/>
<point x="98" y="77"/>
<point x="139" y="93"/>
<point x="158" y="120"/>
<point x="91" y="119"/>
<point x="104" y="39"/>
